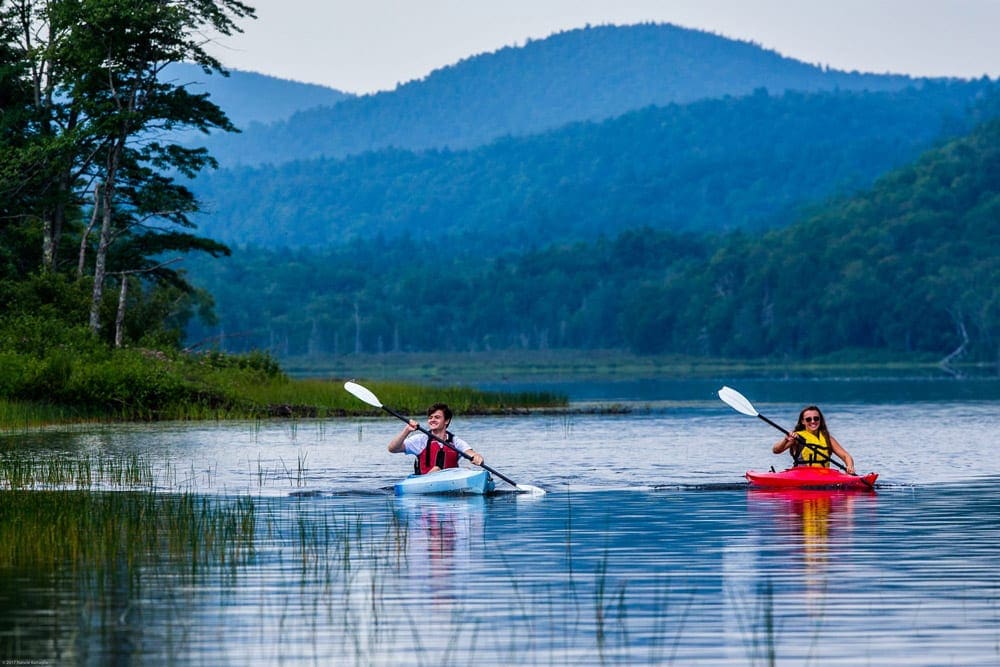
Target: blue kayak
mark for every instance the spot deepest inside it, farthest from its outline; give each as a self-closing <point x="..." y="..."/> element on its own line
<point x="451" y="480"/>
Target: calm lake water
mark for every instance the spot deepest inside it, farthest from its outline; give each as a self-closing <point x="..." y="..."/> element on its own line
<point x="648" y="548"/>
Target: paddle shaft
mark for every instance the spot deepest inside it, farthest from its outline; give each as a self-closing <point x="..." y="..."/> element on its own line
<point x="450" y="446"/>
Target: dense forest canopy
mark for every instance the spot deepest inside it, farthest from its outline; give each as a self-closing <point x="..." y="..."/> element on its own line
<point x="710" y="165"/>
<point x="908" y="266"/>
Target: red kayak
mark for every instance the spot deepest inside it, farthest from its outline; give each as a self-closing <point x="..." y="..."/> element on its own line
<point x="808" y="477"/>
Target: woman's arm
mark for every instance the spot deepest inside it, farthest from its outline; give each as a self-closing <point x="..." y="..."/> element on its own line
<point x="784" y="443"/>
<point x="842" y="453"/>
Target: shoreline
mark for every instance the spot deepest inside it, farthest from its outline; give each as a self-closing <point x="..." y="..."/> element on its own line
<point x="528" y="366"/>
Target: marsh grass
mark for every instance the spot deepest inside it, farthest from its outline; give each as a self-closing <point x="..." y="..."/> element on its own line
<point x="329" y="398"/>
<point x="230" y="394"/>
<point x="23" y="415"/>
<point x="106" y="534"/>
<point x="21" y="470"/>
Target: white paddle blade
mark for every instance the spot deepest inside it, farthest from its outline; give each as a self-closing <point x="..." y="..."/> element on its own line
<point x="737" y="401"/>
<point x="362" y="393"/>
<point x="528" y="488"/>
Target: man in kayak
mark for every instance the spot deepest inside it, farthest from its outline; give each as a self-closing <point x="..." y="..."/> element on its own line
<point x="433" y="456"/>
<point x="811" y="443"/>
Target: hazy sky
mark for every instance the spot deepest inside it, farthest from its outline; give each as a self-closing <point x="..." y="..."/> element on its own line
<point x="362" y="46"/>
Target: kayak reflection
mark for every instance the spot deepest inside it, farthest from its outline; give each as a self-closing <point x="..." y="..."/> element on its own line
<point x="441" y="531"/>
<point x="811" y="519"/>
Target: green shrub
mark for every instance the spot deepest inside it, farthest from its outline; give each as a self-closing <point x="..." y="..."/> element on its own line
<point x="16" y="373"/>
<point x="36" y="335"/>
<point x="54" y="374"/>
<point x="47" y="295"/>
<point x="256" y="361"/>
<point x="129" y="383"/>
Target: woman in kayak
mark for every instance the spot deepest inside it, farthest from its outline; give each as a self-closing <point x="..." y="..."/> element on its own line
<point x="811" y="443"/>
<point x="433" y="456"/>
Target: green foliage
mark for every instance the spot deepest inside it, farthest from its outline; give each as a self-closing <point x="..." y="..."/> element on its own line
<point x="87" y="161"/>
<point x="255" y="361"/>
<point x="911" y="266"/>
<point x="18" y="373"/>
<point x="128" y="383"/>
<point x="720" y="164"/>
<point x="38" y="336"/>
<point x="46" y="295"/>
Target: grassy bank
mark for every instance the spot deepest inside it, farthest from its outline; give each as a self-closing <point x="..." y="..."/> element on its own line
<point x="282" y="397"/>
<point x="145" y="385"/>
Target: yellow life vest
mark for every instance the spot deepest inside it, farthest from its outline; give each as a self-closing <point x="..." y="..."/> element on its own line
<point x="819" y="454"/>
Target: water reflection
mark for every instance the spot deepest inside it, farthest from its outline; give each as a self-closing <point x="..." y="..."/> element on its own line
<point x="810" y="523"/>
<point x="441" y="531"/>
<point x="289" y="551"/>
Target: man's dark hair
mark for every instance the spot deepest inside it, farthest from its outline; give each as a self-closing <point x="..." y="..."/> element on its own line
<point x="443" y="407"/>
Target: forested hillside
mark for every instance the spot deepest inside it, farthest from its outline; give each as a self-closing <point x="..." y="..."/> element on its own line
<point x="710" y="165"/>
<point x="585" y="74"/>
<point x="910" y="265"/>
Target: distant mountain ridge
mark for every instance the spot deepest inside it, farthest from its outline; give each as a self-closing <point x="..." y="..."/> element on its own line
<point x="706" y="166"/>
<point x="249" y="97"/>
<point x="591" y="73"/>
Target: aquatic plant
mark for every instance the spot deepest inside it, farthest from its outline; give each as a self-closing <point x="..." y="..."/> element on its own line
<point x="20" y="469"/>
<point x="100" y="533"/>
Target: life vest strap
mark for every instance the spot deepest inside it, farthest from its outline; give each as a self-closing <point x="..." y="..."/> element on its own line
<point x="440" y="460"/>
<point x="822" y="457"/>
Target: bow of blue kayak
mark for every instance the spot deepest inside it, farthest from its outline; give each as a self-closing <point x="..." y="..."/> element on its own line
<point x="451" y="480"/>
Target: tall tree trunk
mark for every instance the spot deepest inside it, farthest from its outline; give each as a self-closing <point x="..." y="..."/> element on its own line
<point x="120" y="316"/>
<point x="49" y="243"/>
<point x="101" y="256"/>
<point x="100" y="267"/>
<point x="82" y="259"/>
<point x="52" y="226"/>
<point x="106" y="198"/>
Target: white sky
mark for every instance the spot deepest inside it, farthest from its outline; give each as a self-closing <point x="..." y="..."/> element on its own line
<point x="362" y="46"/>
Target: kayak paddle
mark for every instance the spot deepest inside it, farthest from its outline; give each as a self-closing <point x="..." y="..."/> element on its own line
<point x="739" y="402"/>
<point x="365" y="395"/>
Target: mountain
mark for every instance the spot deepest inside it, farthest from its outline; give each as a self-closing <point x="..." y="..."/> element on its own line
<point x="588" y="74"/>
<point x="910" y="265"/>
<point x="248" y="97"/>
<point x="710" y="165"/>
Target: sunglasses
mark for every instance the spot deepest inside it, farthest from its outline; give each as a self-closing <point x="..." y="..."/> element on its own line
<point x="811" y="419"/>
